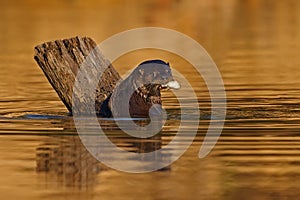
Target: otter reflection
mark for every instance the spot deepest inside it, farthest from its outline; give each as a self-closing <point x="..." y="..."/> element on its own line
<point x="66" y="159"/>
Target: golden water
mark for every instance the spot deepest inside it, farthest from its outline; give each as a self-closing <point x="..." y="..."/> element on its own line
<point x="256" y="47"/>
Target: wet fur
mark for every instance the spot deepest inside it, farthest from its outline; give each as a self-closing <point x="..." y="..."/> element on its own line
<point x="153" y="73"/>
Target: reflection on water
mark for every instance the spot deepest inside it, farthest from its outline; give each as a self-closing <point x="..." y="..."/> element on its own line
<point x="255" y="45"/>
<point x="64" y="158"/>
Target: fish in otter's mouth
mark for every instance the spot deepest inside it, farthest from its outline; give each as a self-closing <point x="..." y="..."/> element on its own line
<point x="142" y="90"/>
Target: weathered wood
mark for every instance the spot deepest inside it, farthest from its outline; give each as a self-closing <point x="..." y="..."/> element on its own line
<point x="60" y="61"/>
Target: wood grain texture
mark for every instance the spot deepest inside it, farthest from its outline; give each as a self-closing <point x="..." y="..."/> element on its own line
<point x="60" y="61"/>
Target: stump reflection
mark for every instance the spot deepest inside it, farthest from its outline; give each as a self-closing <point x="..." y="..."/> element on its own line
<point x="66" y="159"/>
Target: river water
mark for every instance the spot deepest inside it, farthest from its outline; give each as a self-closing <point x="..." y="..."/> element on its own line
<point x="255" y="45"/>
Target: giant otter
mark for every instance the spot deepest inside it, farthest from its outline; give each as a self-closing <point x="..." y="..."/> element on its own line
<point x="142" y="89"/>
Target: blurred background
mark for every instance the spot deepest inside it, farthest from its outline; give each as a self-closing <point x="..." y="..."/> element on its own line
<point x="255" y="44"/>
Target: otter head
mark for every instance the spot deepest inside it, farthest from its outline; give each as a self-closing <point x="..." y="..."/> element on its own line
<point x="156" y="73"/>
<point x="146" y="80"/>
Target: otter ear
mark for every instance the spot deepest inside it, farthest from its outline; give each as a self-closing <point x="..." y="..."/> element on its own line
<point x="168" y="63"/>
<point x="141" y="71"/>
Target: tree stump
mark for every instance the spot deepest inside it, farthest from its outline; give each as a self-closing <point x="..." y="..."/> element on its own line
<point x="60" y="61"/>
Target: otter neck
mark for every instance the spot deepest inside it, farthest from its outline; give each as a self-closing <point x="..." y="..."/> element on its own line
<point x="149" y="93"/>
<point x="140" y="101"/>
